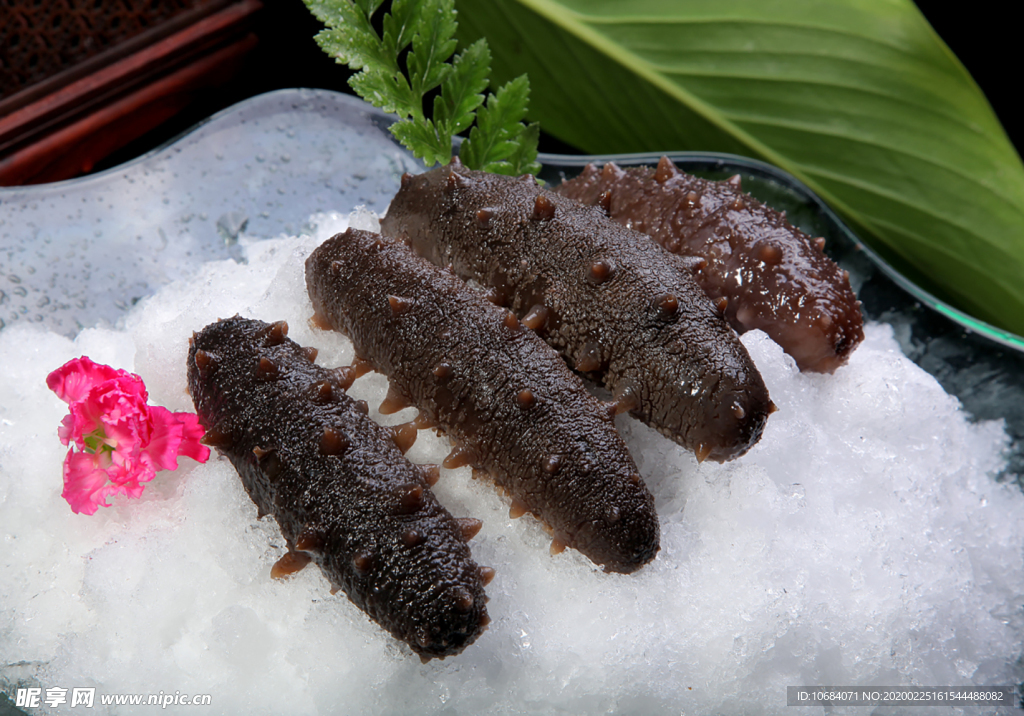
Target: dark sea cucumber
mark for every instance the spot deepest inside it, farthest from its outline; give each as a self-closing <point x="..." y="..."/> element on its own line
<point x="507" y="400"/>
<point x="338" y="486"/>
<point x="617" y="306"/>
<point x="770" y="274"/>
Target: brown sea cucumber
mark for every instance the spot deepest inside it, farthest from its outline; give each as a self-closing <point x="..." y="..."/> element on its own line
<point x="337" y="484"/>
<point x="507" y="400"/>
<point x="617" y="306"/>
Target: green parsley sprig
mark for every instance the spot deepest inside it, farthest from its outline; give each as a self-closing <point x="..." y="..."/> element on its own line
<point x="499" y="141"/>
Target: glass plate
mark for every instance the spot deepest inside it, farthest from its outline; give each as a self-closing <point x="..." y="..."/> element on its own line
<point x="82" y="252"/>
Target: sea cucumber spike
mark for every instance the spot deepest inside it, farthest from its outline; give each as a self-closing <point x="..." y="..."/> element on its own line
<point x="456" y="181"/>
<point x="318" y="321"/>
<point x="702" y="452"/>
<point x="494" y="296"/>
<point x="311" y="353"/>
<point x="333" y="442"/>
<point x="600" y="271"/>
<point x="479" y="474"/>
<point x="735" y="181"/>
<point x="738" y="411"/>
<point x="528" y="178"/>
<point x="590" y="358"/>
<point x="404" y="436"/>
<point x="824" y="320"/>
<point x="455" y="162"/>
<point x="485" y="618"/>
<point x="819" y="243"/>
<point x="483" y="217"/>
<point x="543" y="209"/>
<point x="289" y="564"/>
<point x="309" y="540"/>
<point x="363" y="407"/>
<point x="458" y="457"/>
<point x="410" y="499"/>
<point x="770" y="254"/>
<point x="346" y="376"/>
<point x="463" y="600"/>
<point x="363" y="563"/>
<point x="511" y="322"/>
<point x="613" y="515"/>
<point x="486" y="574"/>
<point x="443" y="371"/>
<point x="721" y="304"/>
<point x="361" y="366"/>
<point x="665" y="171"/>
<point x="469" y="526"/>
<point x="605" y="201"/>
<point x="552" y="464"/>
<point x="217" y="439"/>
<point x="668" y="305"/>
<point x="322" y="392"/>
<point x="517" y="509"/>
<point x="692" y="198"/>
<point x="206" y="363"/>
<point x="431" y="474"/>
<point x="738" y="204"/>
<point x="772" y="407"/>
<point x="399" y="305"/>
<point x="336" y="268"/>
<point x="267" y="369"/>
<point x="412" y="538"/>
<point x="557" y="546"/>
<point x="393" y="402"/>
<point x="423" y="422"/>
<point x="276" y="333"/>
<point x="536" y="317"/>
<point x="406" y="178"/>
<point x="611" y="171"/>
<point x="525" y="399"/>
<point x="260" y="453"/>
<point x="335" y="588"/>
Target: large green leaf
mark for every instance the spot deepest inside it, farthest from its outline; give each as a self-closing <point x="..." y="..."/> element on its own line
<point x="858" y="98"/>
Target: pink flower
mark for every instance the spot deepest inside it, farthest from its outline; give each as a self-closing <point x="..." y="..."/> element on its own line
<point x="119" y="440"/>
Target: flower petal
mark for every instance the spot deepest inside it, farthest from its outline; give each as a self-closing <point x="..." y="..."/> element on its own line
<point x="191" y="433"/>
<point x="165" y="438"/>
<point x="85" y="482"/>
<point x="73" y="380"/>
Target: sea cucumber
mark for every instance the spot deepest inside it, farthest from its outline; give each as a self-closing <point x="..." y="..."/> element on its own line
<point x="617" y="306"/>
<point x="506" y="399"/>
<point x="770" y="274"/>
<point x="341" y="490"/>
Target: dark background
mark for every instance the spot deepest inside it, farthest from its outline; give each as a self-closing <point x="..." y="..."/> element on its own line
<point x="287" y="56"/>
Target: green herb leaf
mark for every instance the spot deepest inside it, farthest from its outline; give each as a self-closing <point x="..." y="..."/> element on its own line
<point x="462" y="90"/>
<point x="498" y="127"/>
<point x="857" y="98"/>
<point x="426" y="28"/>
